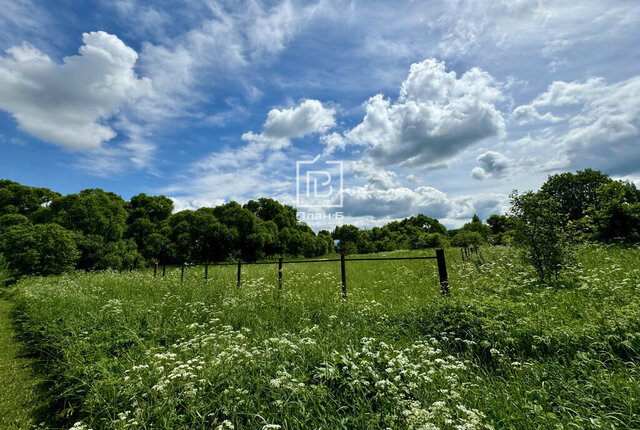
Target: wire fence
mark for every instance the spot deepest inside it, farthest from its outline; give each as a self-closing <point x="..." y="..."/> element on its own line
<point x="439" y="257"/>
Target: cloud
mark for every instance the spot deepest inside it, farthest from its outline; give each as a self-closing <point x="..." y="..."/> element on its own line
<point x="227" y="40"/>
<point x="68" y="104"/>
<point x="492" y="165"/>
<point x="400" y="202"/>
<point x="437" y="115"/>
<point x="603" y="128"/>
<point x="527" y="113"/>
<point x="258" y="163"/>
<point x="333" y="142"/>
<point x="282" y="125"/>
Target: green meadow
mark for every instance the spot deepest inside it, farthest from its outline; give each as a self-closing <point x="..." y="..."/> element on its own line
<point x="125" y="350"/>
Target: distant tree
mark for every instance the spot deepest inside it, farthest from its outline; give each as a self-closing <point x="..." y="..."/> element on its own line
<point x="270" y="210"/>
<point x="539" y="228"/>
<point x="432" y="240"/>
<point x="498" y="223"/>
<point x="325" y="236"/>
<point x="575" y="193"/>
<point x="616" y="214"/>
<point x="348" y="237"/>
<point x="476" y="226"/>
<point x="467" y="238"/>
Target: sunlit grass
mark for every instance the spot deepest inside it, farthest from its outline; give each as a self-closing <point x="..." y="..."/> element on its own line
<point x="130" y="351"/>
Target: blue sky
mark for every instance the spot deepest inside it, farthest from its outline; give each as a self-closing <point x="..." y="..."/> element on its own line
<point x="439" y="108"/>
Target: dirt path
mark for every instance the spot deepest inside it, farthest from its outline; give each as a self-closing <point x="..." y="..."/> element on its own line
<point x="18" y="384"/>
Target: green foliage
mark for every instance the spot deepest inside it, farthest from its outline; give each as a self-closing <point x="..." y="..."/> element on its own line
<point x="5" y="273"/>
<point x="91" y="212"/>
<point x="498" y="223"/>
<point x="539" y="228"/>
<point x="575" y="193"/>
<point x="467" y="238"/>
<point x="503" y="350"/>
<point x="417" y="232"/>
<point x="21" y="199"/>
<point x="42" y="249"/>
<point x="616" y="214"/>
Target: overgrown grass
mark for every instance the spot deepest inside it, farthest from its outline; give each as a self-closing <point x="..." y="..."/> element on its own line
<point x="129" y="351"/>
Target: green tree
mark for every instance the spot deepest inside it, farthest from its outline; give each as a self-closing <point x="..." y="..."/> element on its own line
<point x="467" y="238"/>
<point x="42" y="249"/>
<point x="476" y="226"/>
<point x="91" y="212"/>
<point x="348" y="237"/>
<point x="20" y="199"/>
<point x="498" y="223"/>
<point x="616" y="213"/>
<point x="539" y="229"/>
<point x="575" y="193"/>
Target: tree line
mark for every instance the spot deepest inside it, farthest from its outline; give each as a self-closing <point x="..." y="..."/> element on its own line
<point x="44" y="232"/>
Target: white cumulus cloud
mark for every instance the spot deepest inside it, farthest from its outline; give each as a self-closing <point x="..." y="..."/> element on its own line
<point x="437" y="115"/>
<point x="282" y="125"/>
<point x="492" y="165"/>
<point x="68" y="104"/>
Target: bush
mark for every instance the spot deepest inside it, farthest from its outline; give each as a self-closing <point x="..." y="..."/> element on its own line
<point x="465" y="239"/>
<point x="539" y="229"/>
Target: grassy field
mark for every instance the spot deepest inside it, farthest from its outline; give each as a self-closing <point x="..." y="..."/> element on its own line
<point x="19" y="401"/>
<point x="129" y="351"/>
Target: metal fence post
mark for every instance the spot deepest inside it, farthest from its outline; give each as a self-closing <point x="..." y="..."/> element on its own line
<point x="182" y="273"/>
<point x="155" y="270"/>
<point x="344" y="276"/>
<point x="280" y="274"/>
<point x="239" y="270"/>
<point x="442" y="272"/>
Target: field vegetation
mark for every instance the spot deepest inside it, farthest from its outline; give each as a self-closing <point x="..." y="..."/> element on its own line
<point x="125" y="350"/>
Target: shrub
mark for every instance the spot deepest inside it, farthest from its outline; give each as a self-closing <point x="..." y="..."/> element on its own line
<point x="465" y="239"/>
<point x="539" y="229"/>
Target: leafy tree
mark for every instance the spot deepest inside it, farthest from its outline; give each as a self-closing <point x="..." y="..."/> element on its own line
<point x="326" y="237"/>
<point x="348" y="237"/>
<point x="9" y="220"/>
<point x="575" y="193"/>
<point x="476" y="226"/>
<point x="39" y="249"/>
<point x="432" y="240"/>
<point x="467" y="238"/>
<point x="270" y="210"/>
<point x="498" y="223"/>
<point x="147" y="225"/>
<point x="539" y="227"/>
<point x="91" y="212"/>
<point x="616" y="213"/>
<point x="20" y="199"/>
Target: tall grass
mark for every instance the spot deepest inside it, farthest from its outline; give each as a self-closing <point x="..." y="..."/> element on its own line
<point x="129" y="351"/>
